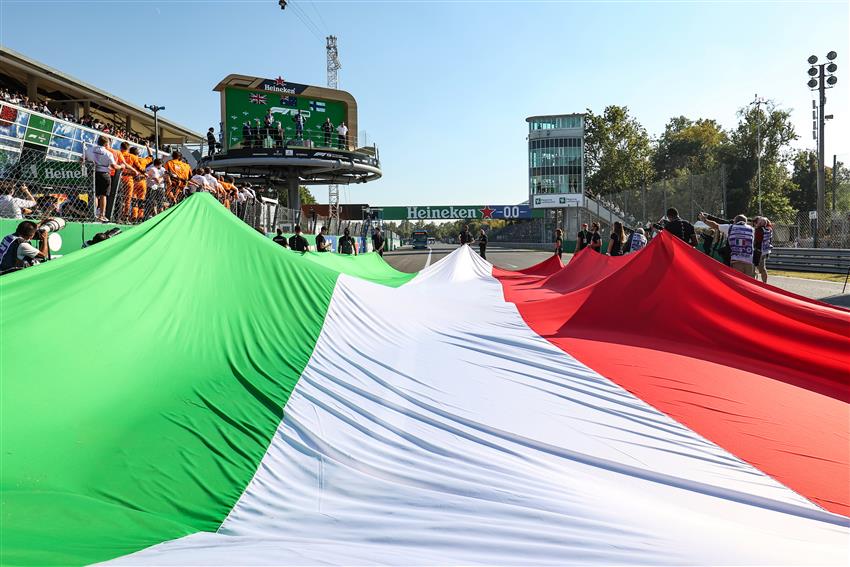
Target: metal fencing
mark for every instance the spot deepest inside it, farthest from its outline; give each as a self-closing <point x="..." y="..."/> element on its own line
<point x="46" y="187"/>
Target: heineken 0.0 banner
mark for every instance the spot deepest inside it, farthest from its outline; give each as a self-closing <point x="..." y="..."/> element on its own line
<point x="458" y="212"/>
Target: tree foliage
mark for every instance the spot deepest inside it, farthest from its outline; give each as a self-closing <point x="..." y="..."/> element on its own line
<point x="617" y="151"/>
<point x="688" y="146"/>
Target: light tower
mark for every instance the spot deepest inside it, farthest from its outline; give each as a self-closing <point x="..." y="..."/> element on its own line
<point x="822" y="77"/>
<point x="333" y="81"/>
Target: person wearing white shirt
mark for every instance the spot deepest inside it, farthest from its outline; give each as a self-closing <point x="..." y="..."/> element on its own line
<point x="342" y="135"/>
<point x="155" y="174"/>
<point x="11" y="206"/>
<point x="741" y="237"/>
<point x="197" y="183"/>
<point x="213" y="185"/>
<point x="103" y="161"/>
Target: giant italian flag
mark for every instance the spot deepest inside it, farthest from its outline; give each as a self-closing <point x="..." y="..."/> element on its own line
<point x="190" y="393"/>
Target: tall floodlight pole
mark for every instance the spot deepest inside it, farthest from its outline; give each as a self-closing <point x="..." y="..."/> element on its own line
<point x="758" y="102"/>
<point x="822" y="78"/>
<point x="333" y="82"/>
<point x="155" y="109"/>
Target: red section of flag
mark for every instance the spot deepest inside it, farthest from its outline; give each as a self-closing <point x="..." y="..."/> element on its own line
<point x="759" y="371"/>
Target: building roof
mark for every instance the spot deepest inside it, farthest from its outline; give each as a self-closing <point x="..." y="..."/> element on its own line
<point x="21" y="68"/>
<point x="530" y="118"/>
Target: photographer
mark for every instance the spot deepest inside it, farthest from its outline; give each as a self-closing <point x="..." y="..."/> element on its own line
<point x="680" y="228"/>
<point x="17" y="253"/>
<point x="12" y="207"/>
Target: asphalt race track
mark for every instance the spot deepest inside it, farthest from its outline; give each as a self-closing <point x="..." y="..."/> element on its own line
<point x="406" y="259"/>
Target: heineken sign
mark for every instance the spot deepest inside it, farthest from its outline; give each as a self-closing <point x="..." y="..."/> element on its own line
<point x="57" y="173"/>
<point x="457" y="212"/>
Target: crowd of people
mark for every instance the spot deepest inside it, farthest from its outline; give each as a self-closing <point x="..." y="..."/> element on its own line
<point x="24" y="101"/>
<point x="271" y="133"/>
<point x="742" y="245"/>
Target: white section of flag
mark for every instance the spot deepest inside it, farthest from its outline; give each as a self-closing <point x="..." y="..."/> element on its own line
<point x="447" y="432"/>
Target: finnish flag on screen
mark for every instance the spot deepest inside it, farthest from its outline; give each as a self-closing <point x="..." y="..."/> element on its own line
<point x="317" y="106"/>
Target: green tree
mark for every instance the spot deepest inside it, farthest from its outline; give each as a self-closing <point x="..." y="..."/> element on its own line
<point x="307" y="198"/>
<point x="740" y="155"/>
<point x="617" y="151"/>
<point x="688" y="147"/>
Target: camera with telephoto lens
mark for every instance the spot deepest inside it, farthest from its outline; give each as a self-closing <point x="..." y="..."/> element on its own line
<point x="49" y="225"/>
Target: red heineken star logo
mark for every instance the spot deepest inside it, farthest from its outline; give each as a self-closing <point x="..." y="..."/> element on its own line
<point x="279" y="82"/>
<point x="487" y="212"/>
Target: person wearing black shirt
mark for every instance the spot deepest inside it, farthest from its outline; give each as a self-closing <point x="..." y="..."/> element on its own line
<point x="618" y="237"/>
<point x="322" y="244"/>
<point x="327" y="128"/>
<point x="211" y="142"/>
<point x="582" y="238"/>
<point x="680" y="228"/>
<point x="482" y="244"/>
<point x="559" y="242"/>
<point x="298" y="242"/>
<point x="595" y="241"/>
<point x="280" y="238"/>
<point x="247" y="136"/>
<point x="346" y="244"/>
<point x="465" y="237"/>
<point x="378" y="241"/>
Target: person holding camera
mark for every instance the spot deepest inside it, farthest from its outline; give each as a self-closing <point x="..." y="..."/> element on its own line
<point x="12" y="207"/>
<point x="17" y="253"/>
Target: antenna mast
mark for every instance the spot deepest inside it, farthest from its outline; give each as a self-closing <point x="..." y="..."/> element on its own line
<point x="333" y="67"/>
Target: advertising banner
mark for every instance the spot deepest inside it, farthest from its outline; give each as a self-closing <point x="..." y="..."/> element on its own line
<point x="557" y="201"/>
<point x="458" y="212"/>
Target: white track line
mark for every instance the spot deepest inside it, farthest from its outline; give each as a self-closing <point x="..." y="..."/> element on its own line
<point x="428" y="261"/>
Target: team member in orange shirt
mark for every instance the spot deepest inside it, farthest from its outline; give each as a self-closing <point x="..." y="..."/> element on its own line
<point x="177" y="174"/>
<point x="140" y="185"/>
<point x="128" y="177"/>
<point x="116" y="179"/>
<point x="229" y="191"/>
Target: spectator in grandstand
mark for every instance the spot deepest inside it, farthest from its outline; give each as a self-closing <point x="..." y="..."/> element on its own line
<point x="12" y="207"/>
<point x="210" y="142"/>
<point x="346" y="244"/>
<point x="298" y="118"/>
<point x="741" y="237"/>
<point x="617" y="239"/>
<point x="104" y="162"/>
<point x="680" y="228"/>
<point x="595" y="242"/>
<point x="342" y="136"/>
<point x="279" y="238"/>
<point x="322" y="244"/>
<point x="636" y="241"/>
<point x="559" y="242"/>
<point x="297" y="242"/>
<point x="464" y="237"/>
<point x="482" y="244"/>
<point x="155" y="175"/>
<point x="16" y="252"/>
<point x="46" y="206"/>
<point x="762" y="245"/>
<point x="582" y="238"/>
<point x="378" y="241"/>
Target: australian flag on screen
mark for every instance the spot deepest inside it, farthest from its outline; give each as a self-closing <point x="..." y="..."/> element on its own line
<point x="289" y="101"/>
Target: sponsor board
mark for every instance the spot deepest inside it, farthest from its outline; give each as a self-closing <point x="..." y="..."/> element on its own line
<point x="557" y="201"/>
<point x="457" y="212"/>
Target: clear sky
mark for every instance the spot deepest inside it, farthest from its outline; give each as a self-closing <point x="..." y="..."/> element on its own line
<point x="444" y="87"/>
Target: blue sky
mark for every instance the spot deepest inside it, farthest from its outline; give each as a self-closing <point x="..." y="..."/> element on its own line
<point x="444" y="88"/>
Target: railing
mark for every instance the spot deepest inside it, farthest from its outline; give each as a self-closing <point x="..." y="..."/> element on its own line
<point x="287" y="136"/>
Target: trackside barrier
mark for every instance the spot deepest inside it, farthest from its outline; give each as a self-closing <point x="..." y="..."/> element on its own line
<point x="822" y="260"/>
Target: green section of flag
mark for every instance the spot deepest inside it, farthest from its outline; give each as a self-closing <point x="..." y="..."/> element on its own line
<point x="143" y="378"/>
